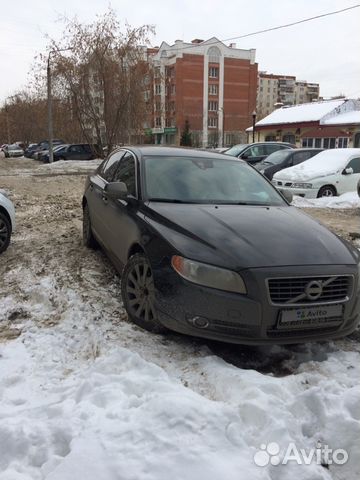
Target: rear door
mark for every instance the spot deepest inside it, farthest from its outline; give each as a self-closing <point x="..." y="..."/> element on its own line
<point x="96" y="199"/>
<point x="75" y="152"/>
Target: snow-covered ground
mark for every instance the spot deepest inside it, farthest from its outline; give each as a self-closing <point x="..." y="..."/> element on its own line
<point x="85" y="394"/>
<point x="346" y="200"/>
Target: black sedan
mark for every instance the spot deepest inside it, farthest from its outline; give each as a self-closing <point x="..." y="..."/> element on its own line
<point x="208" y="247"/>
<point x="284" y="159"/>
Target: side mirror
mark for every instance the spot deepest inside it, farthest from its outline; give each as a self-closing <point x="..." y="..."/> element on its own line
<point x="348" y="171"/>
<point x="286" y="194"/>
<point x="116" y="190"/>
<point x="244" y="156"/>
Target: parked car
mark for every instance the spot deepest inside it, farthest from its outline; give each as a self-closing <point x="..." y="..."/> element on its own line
<point x="30" y="150"/>
<point x="256" y="152"/>
<point x="208" y="247"/>
<point x="44" y="145"/>
<point x="284" y="159"/>
<point x="13" y="151"/>
<point x="78" y="151"/>
<point x="44" y="155"/>
<point x="331" y="172"/>
<point x="7" y="220"/>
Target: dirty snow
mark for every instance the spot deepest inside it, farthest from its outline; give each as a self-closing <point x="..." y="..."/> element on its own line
<point x="85" y="394"/>
<point x="324" y="163"/>
<point x="346" y="200"/>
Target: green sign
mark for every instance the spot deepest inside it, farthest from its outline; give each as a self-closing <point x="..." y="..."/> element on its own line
<point x="170" y="130"/>
<point x="148" y="131"/>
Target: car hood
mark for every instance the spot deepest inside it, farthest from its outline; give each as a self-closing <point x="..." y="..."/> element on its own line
<point x="240" y="237"/>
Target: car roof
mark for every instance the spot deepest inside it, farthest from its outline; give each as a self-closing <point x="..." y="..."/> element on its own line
<point x="165" y="151"/>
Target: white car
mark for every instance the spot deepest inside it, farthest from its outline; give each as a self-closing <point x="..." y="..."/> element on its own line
<point x="7" y="220"/>
<point x="331" y="172"/>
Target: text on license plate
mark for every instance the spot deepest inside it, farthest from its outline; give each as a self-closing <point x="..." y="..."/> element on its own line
<point x="311" y="316"/>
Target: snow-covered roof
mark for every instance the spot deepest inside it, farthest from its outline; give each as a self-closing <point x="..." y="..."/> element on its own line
<point x="347" y="118"/>
<point x="306" y="112"/>
<point x="322" y="164"/>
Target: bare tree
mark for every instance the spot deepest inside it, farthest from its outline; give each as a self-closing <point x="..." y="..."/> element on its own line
<point x="101" y="77"/>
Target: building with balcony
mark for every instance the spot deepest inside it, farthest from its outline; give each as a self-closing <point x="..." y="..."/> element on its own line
<point x="278" y="90"/>
<point x="206" y="84"/>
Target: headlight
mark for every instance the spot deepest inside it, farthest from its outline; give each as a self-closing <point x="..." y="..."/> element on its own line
<point x="302" y="185"/>
<point x="207" y="275"/>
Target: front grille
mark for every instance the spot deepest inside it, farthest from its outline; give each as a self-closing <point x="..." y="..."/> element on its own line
<point x="293" y="290"/>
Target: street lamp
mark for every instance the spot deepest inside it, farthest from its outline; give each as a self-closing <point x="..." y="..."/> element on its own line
<point x="49" y="101"/>
<point x="221" y="139"/>
<point x="253" y="124"/>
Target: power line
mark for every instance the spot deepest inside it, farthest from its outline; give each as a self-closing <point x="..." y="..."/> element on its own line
<point x="335" y="12"/>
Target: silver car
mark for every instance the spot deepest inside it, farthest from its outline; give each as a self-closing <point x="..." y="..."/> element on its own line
<point x="7" y="220"/>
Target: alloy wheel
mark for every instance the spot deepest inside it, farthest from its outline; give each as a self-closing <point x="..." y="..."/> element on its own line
<point x="140" y="291"/>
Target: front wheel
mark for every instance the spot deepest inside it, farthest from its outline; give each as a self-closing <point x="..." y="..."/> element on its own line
<point x="326" y="191"/>
<point x="5" y="232"/>
<point x="138" y="294"/>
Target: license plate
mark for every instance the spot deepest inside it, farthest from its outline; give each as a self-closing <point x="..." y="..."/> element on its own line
<point x="304" y="317"/>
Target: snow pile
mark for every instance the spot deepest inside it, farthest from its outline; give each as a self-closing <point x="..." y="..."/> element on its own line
<point x="346" y="200"/>
<point x="324" y="163"/>
<point x="76" y="403"/>
<point x="69" y="166"/>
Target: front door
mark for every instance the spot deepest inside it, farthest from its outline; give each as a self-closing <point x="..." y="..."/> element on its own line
<point x="348" y="182"/>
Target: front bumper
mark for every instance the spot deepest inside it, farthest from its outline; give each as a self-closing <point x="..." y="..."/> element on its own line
<point x="245" y="319"/>
<point x="300" y="192"/>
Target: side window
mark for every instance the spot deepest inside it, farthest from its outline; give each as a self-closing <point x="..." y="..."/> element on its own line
<point x="126" y="173"/>
<point x="300" y="157"/>
<point x="271" y="149"/>
<point x="354" y="164"/>
<point x="108" y="168"/>
<point x="255" y="151"/>
<point x="75" y="149"/>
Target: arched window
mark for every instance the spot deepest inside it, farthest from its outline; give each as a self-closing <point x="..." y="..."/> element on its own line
<point x="214" y="55"/>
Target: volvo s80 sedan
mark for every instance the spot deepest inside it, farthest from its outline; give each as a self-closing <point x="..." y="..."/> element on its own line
<point x="208" y="247"/>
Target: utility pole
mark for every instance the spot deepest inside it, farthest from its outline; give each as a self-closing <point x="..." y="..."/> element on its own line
<point x="49" y="108"/>
<point x="253" y="125"/>
<point x="49" y="102"/>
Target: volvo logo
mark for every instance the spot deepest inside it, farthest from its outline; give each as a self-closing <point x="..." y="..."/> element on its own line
<point x="313" y="290"/>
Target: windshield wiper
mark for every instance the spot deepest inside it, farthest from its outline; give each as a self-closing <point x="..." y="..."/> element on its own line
<point x="169" y="200"/>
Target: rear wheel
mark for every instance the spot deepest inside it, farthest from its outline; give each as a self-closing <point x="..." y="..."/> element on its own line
<point x="5" y="232"/>
<point x="88" y="236"/>
<point x="138" y="293"/>
<point x="327" y="191"/>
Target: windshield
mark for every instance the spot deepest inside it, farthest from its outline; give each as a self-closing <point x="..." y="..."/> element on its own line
<point x="235" y="150"/>
<point x="14" y="147"/>
<point x="206" y="180"/>
<point x="277" y="157"/>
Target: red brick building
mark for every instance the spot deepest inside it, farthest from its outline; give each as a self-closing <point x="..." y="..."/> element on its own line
<point x="208" y="84"/>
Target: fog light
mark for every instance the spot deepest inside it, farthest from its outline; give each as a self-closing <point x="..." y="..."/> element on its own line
<point x="199" y="322"/>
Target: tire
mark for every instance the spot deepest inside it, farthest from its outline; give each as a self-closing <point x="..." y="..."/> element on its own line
<point x="358" y="188"/>
<point x="88" y="237"/>
<point x="5" y="232"/>
<point x="138" y="294"/>
<point x="327" y="191"/>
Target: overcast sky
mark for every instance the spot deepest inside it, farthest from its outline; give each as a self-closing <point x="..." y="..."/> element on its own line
<point x="326" y="51"/>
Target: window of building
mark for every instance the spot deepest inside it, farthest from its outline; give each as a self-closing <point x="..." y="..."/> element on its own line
<point x="173" y="89"/>
<point x="342" y="142"/>
<point x="146" y="95"/>
<point x="213" y="106"/>
<point x="157" y="106"/>
<point x="318" y="142"/>
<point x="214" y="72"/>
<point x="213" y="122"/>
<point x="214" y="55"/>
<point x="213" y="89"/>
<point x="157" y="89"/>
<point x="158" y="122"/>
